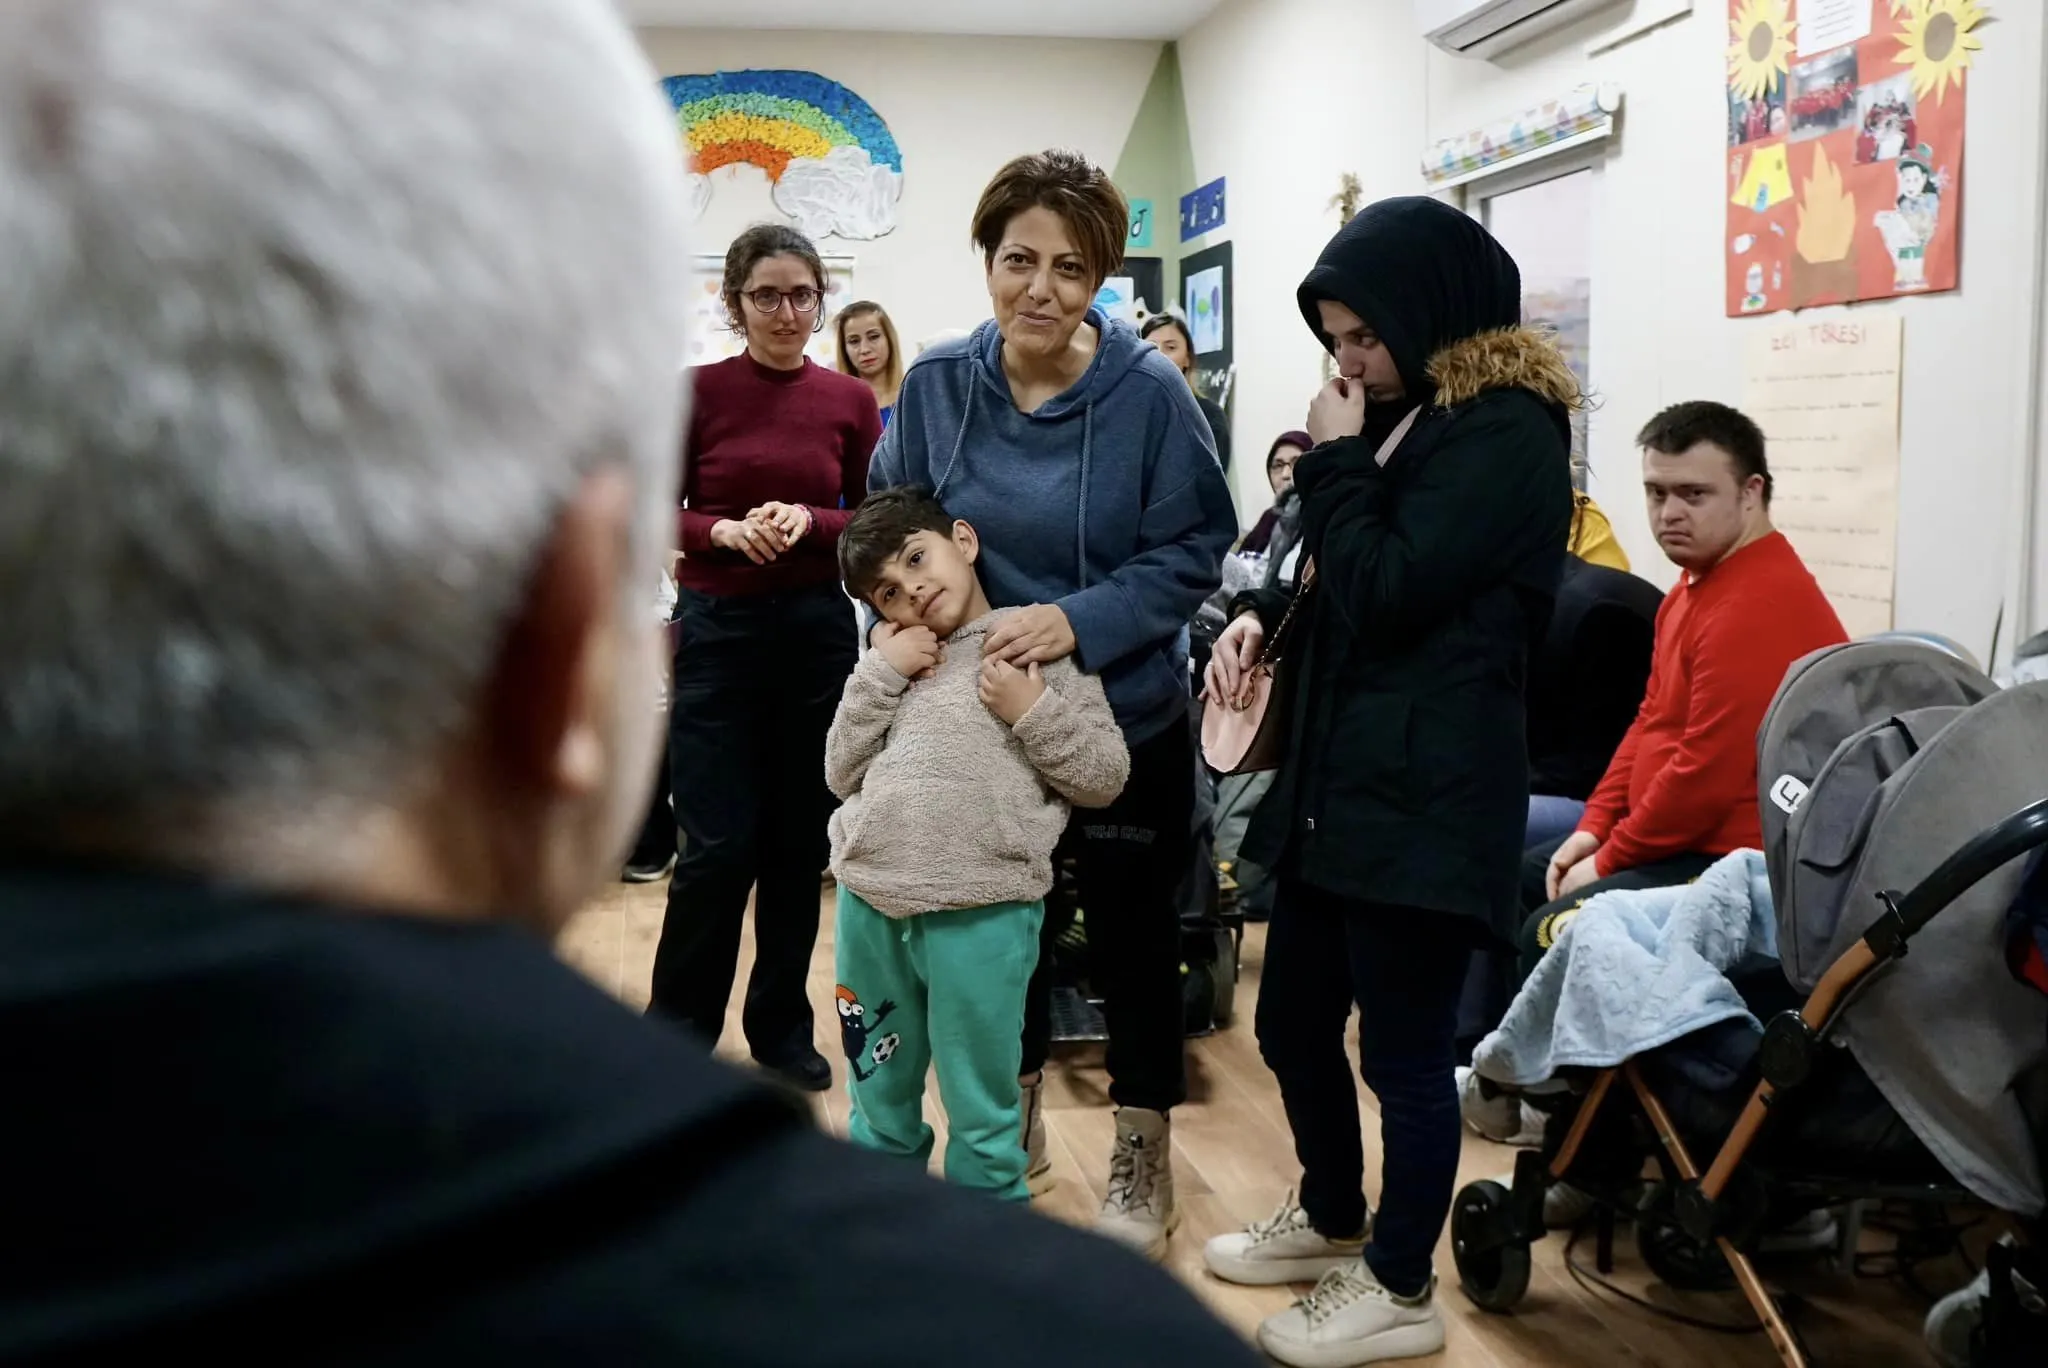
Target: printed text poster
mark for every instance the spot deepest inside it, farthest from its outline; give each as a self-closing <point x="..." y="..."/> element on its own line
<point x="1827" y="398"/>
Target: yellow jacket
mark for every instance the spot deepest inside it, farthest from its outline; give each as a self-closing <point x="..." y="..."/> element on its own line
<point x="1593" y="536"/>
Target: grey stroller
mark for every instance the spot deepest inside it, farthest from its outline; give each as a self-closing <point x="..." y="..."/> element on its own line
<point x="1884" y="765"/>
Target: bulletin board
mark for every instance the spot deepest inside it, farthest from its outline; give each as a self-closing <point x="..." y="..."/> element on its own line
<point x="1845" y="149"/>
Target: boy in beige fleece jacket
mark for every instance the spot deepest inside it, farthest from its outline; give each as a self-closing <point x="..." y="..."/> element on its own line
<point x="956" y="776"/>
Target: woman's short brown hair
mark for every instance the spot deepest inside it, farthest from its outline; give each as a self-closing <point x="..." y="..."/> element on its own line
<point x="1068" y="184"/>
<point x="755" y="246"/>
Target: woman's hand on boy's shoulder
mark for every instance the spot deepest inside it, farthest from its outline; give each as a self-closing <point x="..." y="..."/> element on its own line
<point x="913" y="652"/>
<point x="1009" y="692"/>
<point x="1037" y="635"/>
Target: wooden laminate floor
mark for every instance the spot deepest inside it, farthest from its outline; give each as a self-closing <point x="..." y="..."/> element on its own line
<point x="1234" y="1161"/>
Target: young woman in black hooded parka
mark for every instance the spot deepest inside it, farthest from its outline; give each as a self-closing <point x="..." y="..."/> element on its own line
<point x="1395" y="821"/>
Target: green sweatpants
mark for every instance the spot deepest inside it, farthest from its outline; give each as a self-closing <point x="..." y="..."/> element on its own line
<point x="944" y="989"/>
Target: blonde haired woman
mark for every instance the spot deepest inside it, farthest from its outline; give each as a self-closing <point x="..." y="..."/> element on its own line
<point x="868" y="351"/>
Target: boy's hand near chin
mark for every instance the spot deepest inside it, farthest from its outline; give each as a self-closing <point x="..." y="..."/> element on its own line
<point x="912" y="652"/>
<point x="1009" y="692"/>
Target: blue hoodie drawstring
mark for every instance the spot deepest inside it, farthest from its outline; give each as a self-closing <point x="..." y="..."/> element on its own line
<point x="1081" y="518"/>
<point x="1087" y="456"/>
<point x="959" y="442"/>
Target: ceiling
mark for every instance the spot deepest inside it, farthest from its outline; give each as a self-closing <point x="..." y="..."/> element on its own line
<point x="1021" y="18"/>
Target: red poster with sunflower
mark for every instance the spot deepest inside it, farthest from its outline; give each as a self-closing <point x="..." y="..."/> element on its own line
<point x="1845" y="149"/>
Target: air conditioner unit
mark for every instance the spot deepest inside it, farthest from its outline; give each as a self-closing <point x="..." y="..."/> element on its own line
<point x="1488" y="28"/>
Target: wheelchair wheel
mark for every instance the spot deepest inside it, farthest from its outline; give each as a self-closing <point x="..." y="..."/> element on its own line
<point x="1677" y="1260"/>
<point x="1493" y="1263"/>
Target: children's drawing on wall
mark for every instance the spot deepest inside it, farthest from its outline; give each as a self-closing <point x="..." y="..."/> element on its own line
<point x="1857" y="193"/>
<point x="1824" y="247"/>
<point x="1909" y="225"/>
<point x="1204" y="305"/>
<point x="1118" y="298"/>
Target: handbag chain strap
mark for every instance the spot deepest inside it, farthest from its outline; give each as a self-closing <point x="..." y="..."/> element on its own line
<point x="1270" y="657"/>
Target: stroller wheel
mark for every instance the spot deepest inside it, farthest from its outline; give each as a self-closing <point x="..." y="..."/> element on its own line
<point x="1679" y="1261"/>
<point x="1493" y="1259"/>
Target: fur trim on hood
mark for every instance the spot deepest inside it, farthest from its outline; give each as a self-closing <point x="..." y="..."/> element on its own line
<point x="1505" y="358"/>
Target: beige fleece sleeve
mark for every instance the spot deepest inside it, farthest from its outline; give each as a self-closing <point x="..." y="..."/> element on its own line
<point x="1070" y="736"/>
<point x="860" y="728"/>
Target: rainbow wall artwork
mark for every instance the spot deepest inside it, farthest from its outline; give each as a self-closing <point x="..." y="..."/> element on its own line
<point x="831" y="161"/>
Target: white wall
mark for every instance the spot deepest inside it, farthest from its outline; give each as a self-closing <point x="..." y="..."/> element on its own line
<point x="1659" y="330"/>
<point x="959" y="108"/>
<point x="1284" y="97"/>
<point x="1285" y="94"/>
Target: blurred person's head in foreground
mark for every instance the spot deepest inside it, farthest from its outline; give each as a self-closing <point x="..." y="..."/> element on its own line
<point x="337" y="442"/>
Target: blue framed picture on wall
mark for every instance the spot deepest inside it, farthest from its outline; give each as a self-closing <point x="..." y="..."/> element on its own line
<point x="1201" y="211"/>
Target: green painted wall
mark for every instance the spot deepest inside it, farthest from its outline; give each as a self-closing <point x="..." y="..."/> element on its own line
<point x="1158" y="164"/>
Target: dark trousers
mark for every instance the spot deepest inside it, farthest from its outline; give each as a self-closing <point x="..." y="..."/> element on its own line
<point x="1403" y="968"/>
<point x="1547" y="919"/>
<point x="757" y="680"/>
<point x="657" y="839"/>
<point x="1130" y="859"/>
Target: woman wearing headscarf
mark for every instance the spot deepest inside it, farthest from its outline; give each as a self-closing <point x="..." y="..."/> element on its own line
<point x="1394" y="823"/>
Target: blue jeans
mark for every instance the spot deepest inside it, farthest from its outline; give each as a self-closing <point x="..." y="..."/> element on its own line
<point x="1551" y="819"/>
<point x="1403" y="967"/>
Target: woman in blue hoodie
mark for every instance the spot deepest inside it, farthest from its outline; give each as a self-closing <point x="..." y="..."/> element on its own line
<point x="1078" y="453"/>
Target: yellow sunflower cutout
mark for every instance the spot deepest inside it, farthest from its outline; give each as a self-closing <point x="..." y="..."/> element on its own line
<point x="1938" y="41"/>
<point x="1760" y="47"/>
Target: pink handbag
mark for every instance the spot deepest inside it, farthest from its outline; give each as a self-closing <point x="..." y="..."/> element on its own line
<point x="1253" y="738"/>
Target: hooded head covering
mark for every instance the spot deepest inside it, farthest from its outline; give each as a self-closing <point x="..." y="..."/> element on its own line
<point x="1293" y="439"/>
<point x="1422" y="275"/>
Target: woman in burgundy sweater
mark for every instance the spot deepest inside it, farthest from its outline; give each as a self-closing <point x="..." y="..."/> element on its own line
<point x="777" y="459"/>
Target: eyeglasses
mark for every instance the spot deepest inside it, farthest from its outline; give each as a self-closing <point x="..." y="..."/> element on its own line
<point x="768" y="299"/>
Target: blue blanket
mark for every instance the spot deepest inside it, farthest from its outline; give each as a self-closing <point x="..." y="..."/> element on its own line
<point x="1636" y="970"/>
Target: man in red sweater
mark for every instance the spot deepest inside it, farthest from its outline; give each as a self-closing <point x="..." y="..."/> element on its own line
<point x="1681" y="790"/>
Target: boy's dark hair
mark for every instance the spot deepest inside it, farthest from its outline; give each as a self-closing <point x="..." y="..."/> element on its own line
<point x="878" y="528"/>
<point x="1682" y="427"/>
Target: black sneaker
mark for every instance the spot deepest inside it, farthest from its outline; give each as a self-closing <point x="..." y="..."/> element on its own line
<point x="806" y="1070"/>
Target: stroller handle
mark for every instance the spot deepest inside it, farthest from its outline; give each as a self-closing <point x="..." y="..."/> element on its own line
<point x="1985" y="852"/>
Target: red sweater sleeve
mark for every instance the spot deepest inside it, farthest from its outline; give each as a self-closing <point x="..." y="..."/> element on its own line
<point x="1715" y="766"/>
<point x="1610" y="800"/>
<point x="693" y="529"/>
<point x="854" y="458"/>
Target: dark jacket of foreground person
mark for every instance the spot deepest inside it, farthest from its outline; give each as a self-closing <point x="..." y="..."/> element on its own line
<point x="274" y="1132"/>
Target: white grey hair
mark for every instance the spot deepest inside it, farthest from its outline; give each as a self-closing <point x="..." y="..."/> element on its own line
<point x="313" y="314"/>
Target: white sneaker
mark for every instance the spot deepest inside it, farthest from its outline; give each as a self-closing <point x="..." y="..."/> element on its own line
<point x="1140" y="1211"/>
<point x="1038" y="1177"/>
<point x="1283" y="1248"/>
<point x="1955" y="1319"/>
<point x="1351" y="1319"/>
<point x="1504" y="1118"/>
